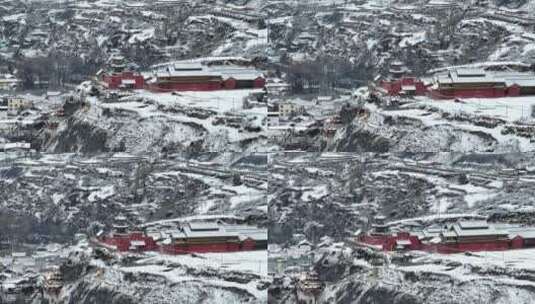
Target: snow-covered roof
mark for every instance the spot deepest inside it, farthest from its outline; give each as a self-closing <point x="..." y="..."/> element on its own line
<point x="526" y="233"/>
<point x="479" y="65"/>
<point x="403" y="242"/>
<point x="467" y="75"/>
<point x="15" y="145"/>
<point x="473" y="224"/>
<point x="188" y="233"/>
<point x="203" y="60"/>
<point x="449" y="233"/>
<point x="247" y="232"/>
<point x="137" y="243"/>
<point x="188" y="66"/>
<point x="523" y="82"/>
<point x="198" y="69"/>
<point x="238" y="73"/>
<point x="203" y="226"/>
<point x="469" y="72"/>
<point x="476" y="230"/>
<point x="408" y="88"/>
<point x="185" y="73"/>
<point x="213" y="229"/>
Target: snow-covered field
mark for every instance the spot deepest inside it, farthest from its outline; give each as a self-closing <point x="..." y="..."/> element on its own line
<point x="245" y="261"/>
<point x="251" y="262"/>
<point x="512" y="259"/>
<point x="507" y="108"/>
<point x="220" y="101"/>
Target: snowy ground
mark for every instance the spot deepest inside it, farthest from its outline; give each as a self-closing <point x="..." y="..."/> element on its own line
<point x="425" y="111"/>
<point x="220" y="101"/>
<point x="146" y="121"/>
<point x="251" y="262"/>
<point x="508" y="108"/>
<point x="245" y="261"/>
<point x="512" y="259"/>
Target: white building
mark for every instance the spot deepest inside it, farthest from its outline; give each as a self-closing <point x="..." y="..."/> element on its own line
<point x="287" y="109"/>
<point x="273" y="119"/>
<point x="8" y="82"/>
<point x="16" y="104"/>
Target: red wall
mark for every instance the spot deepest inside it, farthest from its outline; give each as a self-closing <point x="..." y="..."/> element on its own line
<point x="259" y="83"/>
<point x="373" y="239"/>
<point x="474" y="247"/>
<point x="513" y="90"/>
<point x="167" y="87"/>
<point x="230" y="84"/>
<point x="517" y="242"/>
<point x="114" y="81"/>
<point x="248" y="244"/>
<point x="215" y="247"/>
<point x="394" y="87"/>
<point x="388" y="243"/>
<point x="122" y="243"/>
<point x="468" y="93"/>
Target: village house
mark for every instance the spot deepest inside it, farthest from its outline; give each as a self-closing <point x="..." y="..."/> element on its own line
<point x="273" y="116"/>
<point x="287" y="109"/>
<point x="276" y="88"/>
<point x="17" y="104"/>
<point x="8" y="82"/>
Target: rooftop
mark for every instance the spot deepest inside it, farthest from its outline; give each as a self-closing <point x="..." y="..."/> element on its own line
<point x="473" y="224"/>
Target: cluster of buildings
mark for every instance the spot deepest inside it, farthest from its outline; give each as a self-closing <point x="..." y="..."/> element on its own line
<point x="462" y="236"/>
<point x="186" y="237"/>
<point x="196" y="75"/>
<point x="458" y="82"/>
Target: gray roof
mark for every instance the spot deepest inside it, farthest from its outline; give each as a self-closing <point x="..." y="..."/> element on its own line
<point x="526" y="233"/>
<point x="469" y="72"/>
<point x="203" y="226"/>
<point x="477" y="231"/>
<point x="188" y="66"/>
<point x="473" y="224"/>
<point x="208" y="229"/>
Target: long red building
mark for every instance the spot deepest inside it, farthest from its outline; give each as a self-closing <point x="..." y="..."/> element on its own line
<point x="463" y="236"/>
<point x="195" y="237"/>
<point x="198" y="77"/>
<point x="463" y="83"/>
